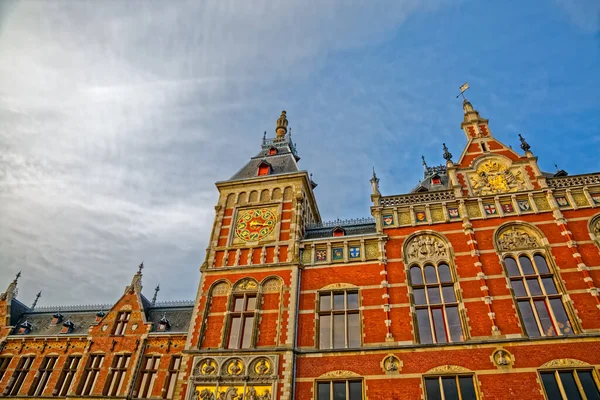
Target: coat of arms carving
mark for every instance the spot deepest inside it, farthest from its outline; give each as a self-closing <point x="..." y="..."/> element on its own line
<point x="493" y="177"/>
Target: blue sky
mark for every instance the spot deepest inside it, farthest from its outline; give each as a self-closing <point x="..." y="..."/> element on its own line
<point x="116" y="118"/>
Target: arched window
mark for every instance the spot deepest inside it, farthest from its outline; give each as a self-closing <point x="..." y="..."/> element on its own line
<point x="434" y="290"/>
<point x="536" y="292"/>
<point x="242" y="315"/>
<point x="436" y="304"/>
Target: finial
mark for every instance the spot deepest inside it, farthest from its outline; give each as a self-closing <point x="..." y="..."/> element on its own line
<point x="556" y="166"/>
<point x="524" y="145"/>
<point x="265" y="135"/>
<point x="17" y="277"/>
<point x="37" y="297"/>
<point x="374" y="183"/>
<point x="424" y="162"/>
<point x="447" y="155"/>
<point x="282" y="124"/>
<point x="140" y="268"/>
<point x="156" y="290"/>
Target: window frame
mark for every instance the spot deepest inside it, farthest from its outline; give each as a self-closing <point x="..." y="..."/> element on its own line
<point x="92" y="369"/>
<point x="67" y="375"/>
<point x="15" y="384"/>
<point x="121" y="323"/>
<point x="4" y="364"/>
<point x="573" y="370"/>
<point x="456" y="376"/>
<point x="442" y="305"/>
<point x="331" y="387"/>
<point x="331" y="312"/>
<point x="116" y="374"/>
<point x="544" y="296"/>
<point x="42" y="376"/>
<point x="144" y="385"/>
<point x="243" y="314"/>
<point x="171" y="379"/>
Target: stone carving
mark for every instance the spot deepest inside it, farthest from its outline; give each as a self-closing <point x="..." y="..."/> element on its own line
<point x="246" y="284"/>
<point x="339" y="286"/>
<point x="340" y="374"/>
<point x="262" y="367"/>
<point x="426" y="247"/>
<point x="443" y="369"/>
<point x="391" y="364"/>
<point x="502" y="358"/>
<point x="234" y="367"/>
<point x="595" y="228"/>
<point x="272" y="285"/>
<point x="208" y="366"/>
<point x="221" y="289"/>
<point x="564" y="362"/>
<point x="493" y="177"/>
<point x="205" y="395"/>
<point x="516" y="239"/>
<point x="229" y="394"/>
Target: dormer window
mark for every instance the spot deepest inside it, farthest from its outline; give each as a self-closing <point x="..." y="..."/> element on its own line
<point x="57" y="318"/>
<point x="436" y="180"/>
<point x="272" y="151"/>
<point x="24" y="328"/>
<point x="264" y="168"/>
<point x="99" y="315"/>
<point x="68" y="327"/>
<point x="339" y="231"/>
<point x="164" y="324"/>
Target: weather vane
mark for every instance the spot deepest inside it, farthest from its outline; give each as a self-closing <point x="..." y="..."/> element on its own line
<point x="463" y="89"/>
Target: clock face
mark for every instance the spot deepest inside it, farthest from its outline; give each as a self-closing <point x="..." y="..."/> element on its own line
<point x="255" y="225"/>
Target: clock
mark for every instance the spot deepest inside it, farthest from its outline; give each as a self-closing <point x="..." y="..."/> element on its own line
<point x="255" y="225"/>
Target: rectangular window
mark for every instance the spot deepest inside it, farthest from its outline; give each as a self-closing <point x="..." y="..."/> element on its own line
<point x="18" y="377"/>
<point x="66" y="376"/>
<point x="4" y="363"/>
<point x="90" y="374"/>
<point x="570" y="384"/>
<point x="169" y="388"/>
<point x="116" y="375"/>
<point x="121" y="325"/>
<point x="241" y="325"/>
<point x="147" y="376"/>
<point x="339" y="320"/>
<point x="43" y="375"/>
<point x="456" y="387"/>
<point x="340" y="390"/>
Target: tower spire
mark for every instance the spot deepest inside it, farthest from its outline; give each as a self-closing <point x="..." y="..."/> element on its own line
<point x="11" y="290"/>
<point x="447" y="155"/>
<point x="374" y="184"/>
<point x="424" y="163"/>
<point x="37" y="297"/>
<point x="136" y="281"/>
<point x="156" y="290"/>
<point x="282" y="124"/>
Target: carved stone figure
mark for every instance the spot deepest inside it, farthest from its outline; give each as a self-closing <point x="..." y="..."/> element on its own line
<point x="502" y="358"/>
<point x="246" y="284"/>
<point x="266" y="395"/>
<point x="517" y="239"/>
<point x="234" y="367"/>
<point x="206" y="367"/>
<point x="596" y="228"/>
<point x="251" y="394"/>
<point x="262" y="368"/>
<point x="391" y="364"/>
<point x="206" y="395"/>
<point x="426" y="247"/>
<point x="195" y="395"/>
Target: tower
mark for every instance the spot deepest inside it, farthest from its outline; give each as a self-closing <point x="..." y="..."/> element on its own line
<point x="244" y="326"/>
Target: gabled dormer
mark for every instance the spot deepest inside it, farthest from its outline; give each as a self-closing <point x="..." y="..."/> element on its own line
<point x="264" y="168"/>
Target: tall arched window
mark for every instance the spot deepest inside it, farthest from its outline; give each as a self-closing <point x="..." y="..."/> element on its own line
<point x="434" y="290"/>
<point x="242" y="315"/>
<point x="536" y="292"/>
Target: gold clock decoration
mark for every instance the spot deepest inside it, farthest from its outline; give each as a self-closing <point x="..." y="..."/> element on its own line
<point x="254" y="225"/>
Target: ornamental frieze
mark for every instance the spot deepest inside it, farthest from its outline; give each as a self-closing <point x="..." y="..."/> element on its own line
<point x="517" y="239"/>
<point x="494" y="177"/>
<point x="426" y="247"/>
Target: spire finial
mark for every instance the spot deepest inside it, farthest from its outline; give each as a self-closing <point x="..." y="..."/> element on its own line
<point x="37" y="297"/>
<point x="282" y="124"/>
<point x="374" y="184"/>
<point x="447" y="155"/>
<point x="156" y="290"/>
<point x="17" y="277"/>
<point x="556" y="166"/>
<point x="140" y="268"/>
<point x="524" y="145"/>
<point x="264" y="136"/>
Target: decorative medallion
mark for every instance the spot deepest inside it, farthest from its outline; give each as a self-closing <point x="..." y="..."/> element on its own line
<point x="208" y="366"/>
<point x="490" y="209"/>
<point x="524" y="205"/>
<point x="516" y="238"/>
<point x="453" y="212"/>
<point x="354" y="252"/>
<point x="234" y="367"/>
<point x="508" y="208"/>
<point x="420" y="216"/>
<point x="562" y="201"/>
<point x="502" y="358"/>
<point x="338" y="253"/>
<point x="426" y="247"/>
<point x="321" y="255"/>
<point x="493" y="177"/>
<point x="255" y="225"/>
<point x="391" y="364"/>
<point x="262" y="367"/>
<point x="388" y="220"/>
<point x="246" y="284"/>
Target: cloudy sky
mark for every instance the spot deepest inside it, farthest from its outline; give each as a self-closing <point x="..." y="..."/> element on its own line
<point x="117" y="117"/>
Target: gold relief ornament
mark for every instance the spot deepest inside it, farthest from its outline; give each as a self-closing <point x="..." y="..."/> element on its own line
<point x="208" y="366"/>
<point x="493" y="177"/>
<point x="246" y="284"/>
<point x="502" y="358"/>
<point x="391" y="364"/>
<point x="234" y="367"/>
<point x="262" y="367"/>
